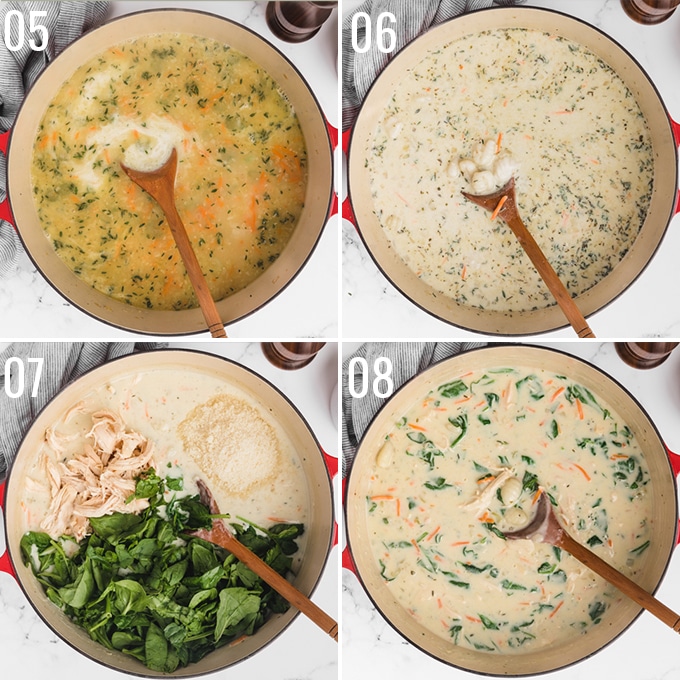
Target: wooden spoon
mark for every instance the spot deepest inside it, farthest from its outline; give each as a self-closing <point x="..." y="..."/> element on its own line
<point x="160" y="185"/>
<point x="510" y="215"/>
<point x="220" y="535"/>
<point x="546" y="527"/>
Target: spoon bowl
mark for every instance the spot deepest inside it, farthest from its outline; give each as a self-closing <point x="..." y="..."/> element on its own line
<point x="160" y="185"/>
<point x="503" y="204"/>
<point x="545" y="527"/>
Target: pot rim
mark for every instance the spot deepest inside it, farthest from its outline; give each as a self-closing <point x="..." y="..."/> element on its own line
<point x="409" y="383"/>
<point x="253" y="34"/>
<point x="295" y="613"/>
<point x="564" y="323"/>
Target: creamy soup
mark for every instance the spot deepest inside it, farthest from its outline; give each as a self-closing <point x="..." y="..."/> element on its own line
<point x="252" y="468"/>
<point x="580" y="142"/>
<point x="241" y="175"/>
<point x="465" y="464"/>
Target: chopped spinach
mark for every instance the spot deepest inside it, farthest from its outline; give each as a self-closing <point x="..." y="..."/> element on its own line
<point x="453" y="389"/>
<point x="142" y="585"/>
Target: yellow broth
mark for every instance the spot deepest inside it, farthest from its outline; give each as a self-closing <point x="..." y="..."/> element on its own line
<point x="241" y="175"/>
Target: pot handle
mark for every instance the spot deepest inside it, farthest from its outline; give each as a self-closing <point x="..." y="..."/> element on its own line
<point x="333" y="136"/>
<point x="674" y="460"/>
<point x="675" y="127"/>
<point x="347" y="210"/>
<point x="5" y="561"/>
<point x="5" y="211"/>
<point x="332" y="467"/>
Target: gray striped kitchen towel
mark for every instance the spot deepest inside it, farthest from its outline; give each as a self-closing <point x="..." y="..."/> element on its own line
<point x="407" y="358"/>
<point x="63" y="362"/>
<point x="65" y="21"/>
<point x="413" y="17"/>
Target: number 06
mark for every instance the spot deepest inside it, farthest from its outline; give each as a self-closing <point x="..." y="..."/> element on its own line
<point x="386" y="38"/>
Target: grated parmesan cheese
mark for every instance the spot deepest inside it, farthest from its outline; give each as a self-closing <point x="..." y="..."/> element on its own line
<point x="231" y="442"/>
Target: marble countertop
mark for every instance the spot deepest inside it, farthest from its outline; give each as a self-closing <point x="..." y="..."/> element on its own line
<point x="308" y="307"/>
<point x="646" y="651"/>
<point x="646" y="309"/>
<point x="28" y="647"/>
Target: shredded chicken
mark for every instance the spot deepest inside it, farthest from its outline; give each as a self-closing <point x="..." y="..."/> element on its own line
<point x="97" y="480"/>
<point x="482" y="499"/>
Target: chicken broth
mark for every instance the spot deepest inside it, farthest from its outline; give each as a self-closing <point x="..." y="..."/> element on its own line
<point x="252" y="470"/>
<point x="241" y="176"/>
<point x="464" y="464"/>
<point x="582" y="148"/>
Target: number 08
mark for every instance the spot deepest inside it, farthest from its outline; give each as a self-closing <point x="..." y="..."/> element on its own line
<point x="383" y="385"/>
<point x="386" y="38"/>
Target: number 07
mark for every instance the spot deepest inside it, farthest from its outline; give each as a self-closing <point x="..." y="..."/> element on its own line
<point x="386" y="38"/>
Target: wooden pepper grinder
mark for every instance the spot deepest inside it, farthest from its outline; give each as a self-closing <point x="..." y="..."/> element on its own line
<point x="297" y="21"/>
<point x="645" y="354"/>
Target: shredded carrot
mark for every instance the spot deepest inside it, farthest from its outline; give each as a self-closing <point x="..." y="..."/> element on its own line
<point x="487" y="518"/>
<point x="618" y="456"/>
<point x="473" y="619"/>
<point x="417" y="427"/>
<point x="288" y="163"/>
<point x="556" y="394"/>
<point x="130" y="195"/>
<point x="537" y="495"/>
<point x="579" y="408"/>
<point x="382" y="497"/>
<point x="497" y="209"/>
<point x="499" y="139"/>
<point x="453" y="545"/>
<point x="464" y="272"/>
<point x="554" y="611"/>
<point x="433" y="534"/>
<point x="582" y="471"/>
<point x="415" y="545"/>
<point x="398" y="507"/>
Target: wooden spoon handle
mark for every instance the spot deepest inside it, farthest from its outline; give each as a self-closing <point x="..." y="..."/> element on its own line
<point x="623" y="583"/>
<point x="549" y="276"/>
<point x="283" y="587"/>
<point x="200" y="285"/>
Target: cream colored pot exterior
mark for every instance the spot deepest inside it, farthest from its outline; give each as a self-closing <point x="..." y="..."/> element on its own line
<point x="273" y="279"/>
<point x="653" y="229"/>
<point x="319" y="530"/>
<point x="664" y="519"/>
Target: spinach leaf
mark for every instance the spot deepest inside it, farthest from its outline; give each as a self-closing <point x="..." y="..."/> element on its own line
<point x="238" y="606"/>
<point x="461" y="422"/>
<point x="144" y="585"/>
<point x="452" y="389"/>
